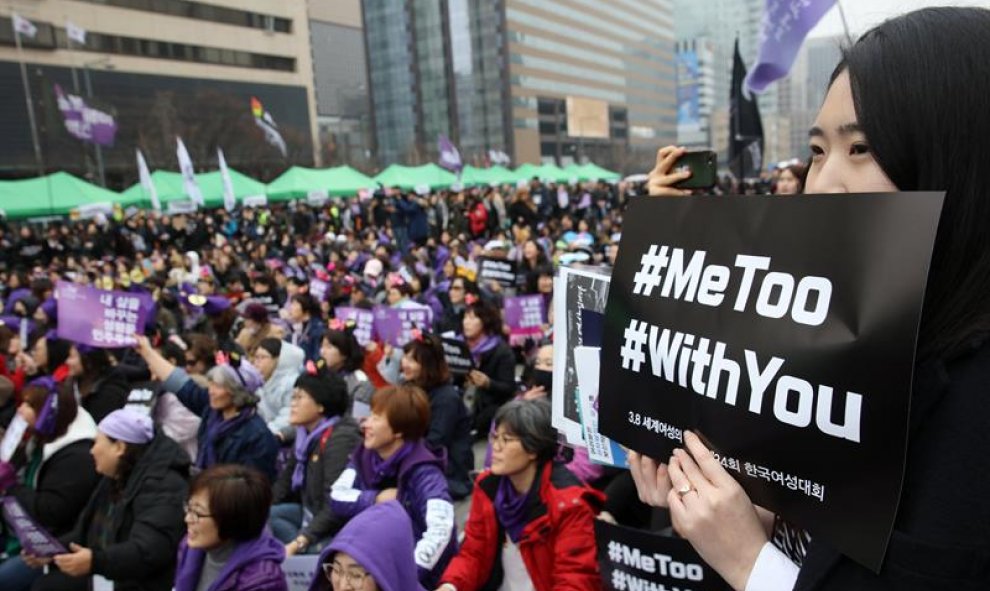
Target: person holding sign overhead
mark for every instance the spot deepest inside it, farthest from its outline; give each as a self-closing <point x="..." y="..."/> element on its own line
<point x="887" y="124"/>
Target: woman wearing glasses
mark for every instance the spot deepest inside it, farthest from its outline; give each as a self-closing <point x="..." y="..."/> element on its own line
<point x="374" y="552"/>
<point x="531" y="524"/>
<point x="227" y="545"/>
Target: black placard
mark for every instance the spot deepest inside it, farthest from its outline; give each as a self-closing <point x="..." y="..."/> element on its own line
<point x="632" y="559"/>
<point x="782" y="331"/>
<point x="498" y="270"/>
<point x="458" y="356"/>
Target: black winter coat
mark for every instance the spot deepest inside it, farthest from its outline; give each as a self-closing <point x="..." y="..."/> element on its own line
<point x="941" y="536"/>
<point x="108" y="394"/>
<point x="323" y="466"/>
<point x="146" y="526"/>
<point x="450" y="430"/>
<point x="499" y="365"/>
<point x="65" y="482"/>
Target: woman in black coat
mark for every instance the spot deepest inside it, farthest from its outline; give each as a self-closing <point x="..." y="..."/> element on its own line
<point x="494" y="375"/>
<point x="102" y="388"/>
<point x="130" y="529"/>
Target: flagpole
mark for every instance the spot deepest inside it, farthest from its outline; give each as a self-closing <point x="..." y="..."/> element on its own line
<point x="845" y="25"/>
<point x="29" y="103"/>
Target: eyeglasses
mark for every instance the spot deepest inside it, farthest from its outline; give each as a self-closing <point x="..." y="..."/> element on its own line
<point x="354" y="578"/>
<point x="191" y="362"/>
<point x="500" y="441"/>
<point x="196" y="516"/>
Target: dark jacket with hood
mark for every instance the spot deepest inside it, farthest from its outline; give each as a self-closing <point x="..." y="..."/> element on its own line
<point x="254" y="565"/>
<point x="418" y="474"/>
<point x="450" y="431"/>
<point x="325" y="462"/>
<point x="145" y="525"/>
<point x="379" y="539"/>
<point x="108" y="394"/>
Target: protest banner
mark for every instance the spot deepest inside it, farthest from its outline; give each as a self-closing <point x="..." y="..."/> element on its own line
<point x="100" y="318"/>
<point x="525" y="316"/>
<point x="33" y="538"/>
<point x="364" y="321"/>
<point x="500" y="271"/>
<point x="300" y="570"/>
<point x="576" y="290"/>
<point x="12" y="437"/>
<point x="394" y="325"/>
<point x="634" y="559"/>
<point x="601" y="449"/>
<point x="318" y="289"/>
<point x="782" y="332"/>
<point x="458" y="356"/>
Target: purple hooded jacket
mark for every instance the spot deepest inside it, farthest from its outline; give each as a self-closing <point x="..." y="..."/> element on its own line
<point x="254" y="565"/>
<point x="422" y="492"/>
<point x="380" y="539"/>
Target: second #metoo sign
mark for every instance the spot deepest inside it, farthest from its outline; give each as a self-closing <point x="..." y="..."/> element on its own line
<point x="782" y="331"/>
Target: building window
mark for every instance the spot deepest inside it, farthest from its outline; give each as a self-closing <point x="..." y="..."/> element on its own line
<point x="205" y="12"/>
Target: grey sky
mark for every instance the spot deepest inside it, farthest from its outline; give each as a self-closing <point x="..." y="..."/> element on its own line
<point x="863" y="14"/>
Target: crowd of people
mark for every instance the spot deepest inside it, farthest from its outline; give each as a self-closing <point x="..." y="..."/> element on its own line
<point x="249" y="422"/>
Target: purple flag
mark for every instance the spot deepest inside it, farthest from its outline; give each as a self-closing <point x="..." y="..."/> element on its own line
<point x="525" y="316"/>
<point x="364" y="321"/>
<point x="84" y="122"/>
<point x="99" y="318"/>
<point x="394" y="325"/>
<point x="450" y="158"/>
<point x="785" y="25"/>
<point x="34" y="539"/>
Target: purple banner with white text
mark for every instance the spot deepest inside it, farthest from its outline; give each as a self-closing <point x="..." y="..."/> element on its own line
<point x="394" y="325"/>
<point x="34" y="539"/>
<point x="99" y="318"/>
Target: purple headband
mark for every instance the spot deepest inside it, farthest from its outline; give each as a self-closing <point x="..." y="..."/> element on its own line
<point x="45" y="423"/>
<point x="129" y="426"/>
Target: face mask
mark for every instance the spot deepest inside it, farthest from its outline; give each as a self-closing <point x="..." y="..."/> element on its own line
<point x="542" y="377"/>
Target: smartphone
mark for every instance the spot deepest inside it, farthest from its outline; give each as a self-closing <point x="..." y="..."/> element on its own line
<point x="703" y="165"/>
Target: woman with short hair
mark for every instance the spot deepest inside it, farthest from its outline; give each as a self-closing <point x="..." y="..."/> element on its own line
<point x="279" y="363"/>
<point x="531" y="524"/>
<point x="343" y="354"/>
<point x="495" y="373"/>
<point x="227" y="545"/>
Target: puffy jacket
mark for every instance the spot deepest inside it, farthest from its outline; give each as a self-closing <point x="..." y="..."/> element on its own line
<point x="254" y="565"/>
<point x="275" y="394"/>
<point x="108" y="394"/>
<point x="250" y="444"/>
<point x="499" y="364"/>
<point x="422" y="491"/>
<point x="557" y="544"/>
<point x="146" y="524"/>
<point x="323" y="466"/>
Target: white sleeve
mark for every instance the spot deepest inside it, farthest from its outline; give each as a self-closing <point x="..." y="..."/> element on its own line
<point x="439" y="525"/>
<point x="773" y="571"/>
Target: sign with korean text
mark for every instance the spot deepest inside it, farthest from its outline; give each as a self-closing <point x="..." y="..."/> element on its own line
<point x="364" y="322"/>
<point x="33" y="538"/>
<point x="394" y="325"/>
<point x="100" y="318"/>
<point x="781" y="331"/>
<point x="525" y="316"/>
<point x="500" y="271"/>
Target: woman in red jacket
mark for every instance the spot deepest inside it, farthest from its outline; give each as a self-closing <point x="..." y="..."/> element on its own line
<point x="532" y="522"/>
<point x="477" y="217"/>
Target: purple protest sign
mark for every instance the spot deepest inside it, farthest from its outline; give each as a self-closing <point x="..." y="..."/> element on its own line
<point x="785" y="25"/>
<point x="34" y="539"/>
<point x="100" y="318"/>
<point x="525" y="316"/>
<point x="85" y="122"/>
<point x="318" y="288"/>
<point x="393" y="325"/>
<point x="364" y="321"/>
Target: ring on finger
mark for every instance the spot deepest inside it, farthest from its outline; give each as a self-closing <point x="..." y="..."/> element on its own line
<point x="685" y="490"/>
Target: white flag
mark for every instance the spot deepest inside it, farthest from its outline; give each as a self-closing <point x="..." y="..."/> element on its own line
<point x="188" y="174"/>
<point x="75" y="32"/>
<point x="149" y="187"/>
<point x="23" y="26"/>
<point x="229" y="200"/>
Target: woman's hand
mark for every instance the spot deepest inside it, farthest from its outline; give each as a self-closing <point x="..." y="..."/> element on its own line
<point x="35" y="561"/>
<point x="661" y="180"/>
<point x="77" y="563"/>
<point x="26" y="362"/>
<point x="389" y="494"/>
<point x="711" y="510"/>
<point x="651" y="479"/>
<point x="479" y="379"/>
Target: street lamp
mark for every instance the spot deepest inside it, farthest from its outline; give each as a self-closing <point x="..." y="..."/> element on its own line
<point x="105" y="62"/>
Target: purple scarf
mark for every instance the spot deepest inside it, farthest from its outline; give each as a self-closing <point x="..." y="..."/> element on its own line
<point x="484" y="345"/>
<point x="303" y="443"/>
<point x="382" y="470"/>
<point x="216" y="429"/>
<point x="510" y="507"/>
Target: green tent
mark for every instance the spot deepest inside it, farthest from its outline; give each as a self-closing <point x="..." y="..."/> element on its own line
<point x="483" y="177"/>
<point x="211" y="186"/>
<point x="58" y="193"/>
<point x="527" y="171"/>
<point x="168" y="186"/>
<point x="552" y="172"/>
<point x="299" y="182"/>
<point x="596" y="173"/>
<point x="576" y="171"/>
<point x="501" y="175"/>
<point x="410" y="178"/>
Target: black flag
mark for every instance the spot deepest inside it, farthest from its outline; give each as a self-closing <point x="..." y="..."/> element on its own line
<point x="745" y="127"/>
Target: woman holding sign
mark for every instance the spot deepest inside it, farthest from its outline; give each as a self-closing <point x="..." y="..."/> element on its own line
<point x="905" y="111"/>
